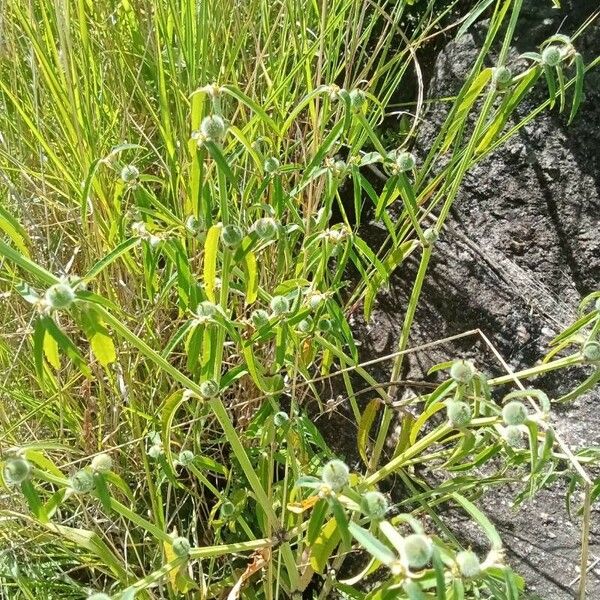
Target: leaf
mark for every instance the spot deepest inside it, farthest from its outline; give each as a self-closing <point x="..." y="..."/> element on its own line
<point x="251" y="277"/>
<point x="210" y="260"/>
<point x="364" y="427"/>
<point x="260" y="558"/>
<point x="578" y="93"/>
<point x="473" y="16"/>
<point x="101" y="343"/>
<point x="14" y="231"/>
<point x="371" y="544"/>
<point x="121" y="249"/>
<point x="480" y="519"/>
<point x="324" y="546"/>
<point x="50" y="346"/>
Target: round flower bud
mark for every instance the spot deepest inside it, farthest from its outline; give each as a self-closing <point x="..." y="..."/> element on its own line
<point x="155" y="451"/>
<point x="514" y="413"/>
<point x="280" y="419"/>
<point x="418" y="550"/>
<point x="102" y="463"/>
<point x="306" y="325"/>
<point x="591" y="351"/>
<point x="129" y="173"/>
<point x="99" y="596"/>
<point x="315" y="300"/>
<point x="468" y="564"/>
<point x="357" y="99"/>
<point x="598" y="304"/>
<point x="405" y="161"/>
<point x="271" y="165"/>
<point x="335" y="474"/>
<point x="227" y="509"/>
<point x="209" y="388"/>
<point x="181" y="546"/>
<point x="186" y="458"/>
<point x="280" y="305"/>
<point x="60" y="296"/>
<point x="16" y="470"/>
<point x="325" y="324"/>
<point x="459" y="413"/>
<point x="206" y="309"/>
<point x="82" y="482"/>
<point x="232" y="236"/>
<point x="339" y="167"/>
<point x="502" y="76"/>
<point x="431" y="235"/>
<point x="259" y="318"/>
<point x="551" y="56"/>
<point x="513" y="436"/>
<point x="462" y="371"/>
<point x="374" y="505"/>
<point x="213" y="127"/>
<point x="266" y="228"/>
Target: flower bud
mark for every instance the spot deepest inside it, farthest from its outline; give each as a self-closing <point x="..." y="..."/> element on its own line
<point x="60" y="296"/>
<point x="181" y="546"/>
<point x="316" y="299"/>
<point x="462" y="371"/>
<point x="325" y="324"/>
<point x="405" y="161"/>
<point x="129" y="173"/>
<point x="186" y="458"/>
<point x="335" y="474"/>
<point x="431" y="235"/>
<point x="591" y="351"/>
<point x="99" y="596"/>
<point x="82" y="482"/>
<point x="468" y="564"/>
<point x="227" y="509"/>
<point x="232" y="236"/>
<point x="418" y="550"/>
<point x="16" y="470"/>
<point x="280" y="419"/>
<point x="459" y="413"/>
<point x="306" y="325"/>
<point x="357" y="99"/>
<point x="213" y="127"/>
<point x="513" y="436"/>
<point x="259" y="318"/>
<point x="502" y="76"/>
<point x="209" y="388"/>
<point x="266" y="228"/>
<point x="280" y="305"/>
<point x="271" y="165"/>
<point x="551" y="56"/>
<point x="205" y="310"/>
<point x="102" y="463"/>
<point x="598" y="304"/>
<point x="155" y="451"/>
<point x="514" y="413"/>
<point x="374" y="505"/>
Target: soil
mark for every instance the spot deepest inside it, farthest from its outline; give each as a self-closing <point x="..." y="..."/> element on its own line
<point x="520" y="251"/>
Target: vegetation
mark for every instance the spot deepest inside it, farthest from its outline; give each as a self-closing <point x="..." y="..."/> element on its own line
<point x="176" y="296"/>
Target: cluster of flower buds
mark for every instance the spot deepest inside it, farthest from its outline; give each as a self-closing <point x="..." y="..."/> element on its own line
<point x="138" y="228"/>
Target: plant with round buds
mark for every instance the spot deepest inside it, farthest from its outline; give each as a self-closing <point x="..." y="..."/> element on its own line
<point x="502" y="76"/>
<point x="468" y="564"/>
<point x="213" y="128"/>
<point x="280" y="305"/>
<point x="186" y="458"/>
<point x="209" y="388"/>
<point x="459" y="413"/>
<point x="431" y="235"/>
<point x="316" y="299"/>
<point x="462" y="371"/>
<point x="129" y="174"/>
<point x="102" y="463"/>
<point x="357" y="99"/>
<point x="271" y="165"/>
<point x="335" y="474"/>
<point x="259" y="318"/>
<point x="591" y="351"/>
<point x="405" y="161"/>
<point x="325" y="324"/>
<point x="194" y="225"/>
<point x="514" y="413"/>
<point x="306" y="325"/>
<point x="232" y="236"/>
<point x="513" y="436"/>
<point x="181" y="546"/>
<point x="60" y="296"/>
<point x="281" y="418"/>
<point x="551" y="56"/>
<point x="418" y="550"/>
<point x="266" y="228"/>
<point x="16" y="470"/>
<point x="82" y="482"/>
<point x="374" y="505"/>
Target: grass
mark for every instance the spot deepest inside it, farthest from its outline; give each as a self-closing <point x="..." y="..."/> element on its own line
<point x="179" y="296"/>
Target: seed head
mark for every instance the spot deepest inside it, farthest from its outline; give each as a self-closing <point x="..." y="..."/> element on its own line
<point x="315" y="300"/>
<point x="551" y="56"/>
<point x="209" y="388"/>
<point x="156" y="450"/>
<point x="374" y="505"/>
<point x="227" y="509"/>
<point x="181" y="546"/>
<point x="459" y="413"/>
<point x="306" y="325"/>
<point x="82" y="482"/>
<point x="271" y="165"/>
<point x="357" y="99"/>
<point x="60" y="296"/>
<point x="186" y="458"/>
<point x="205" y="310"/>
<point x="591" y="351"/>
<point x="232" y="236"/>
<point x="213" y="128"/>
<point x="280" y="419"/>
<point x="405" y="161"/>
<point x="431" y="235"/>
<point x="280" y="305"/>
<point x="514" y="413"/>
<point x="502" y="76"/>
<point x="468" y="564"/>
<point x="102" y="463"/>
<point x="418" y="550"/>
<point x="513" y="436"/>
<point x="462" y="371"/>
<point x="266" y="228"/>
<point x="129" y="173"/>
<point x="335" y="474"/>
<point x="259" y="318"/>
<point x="16" y="470"/>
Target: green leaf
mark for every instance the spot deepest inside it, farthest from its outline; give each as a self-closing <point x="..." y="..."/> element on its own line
<point x="371" y="544"/>
<point x="364" y="427"/>
<point x="95" y="330"/>
<point x="324" y="546"/>
<point x="211" y="247"/>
